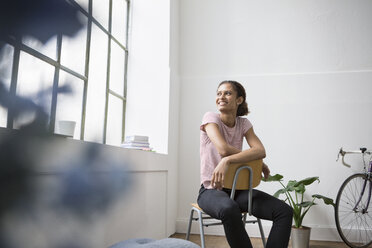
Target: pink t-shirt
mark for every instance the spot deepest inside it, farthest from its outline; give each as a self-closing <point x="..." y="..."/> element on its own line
<point x="209" y="156"/>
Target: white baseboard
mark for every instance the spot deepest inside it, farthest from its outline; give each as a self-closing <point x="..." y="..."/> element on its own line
<point x="317" y="232"/>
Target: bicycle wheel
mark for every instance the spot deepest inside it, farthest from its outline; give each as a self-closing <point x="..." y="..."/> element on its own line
<point x="354" y="225"/>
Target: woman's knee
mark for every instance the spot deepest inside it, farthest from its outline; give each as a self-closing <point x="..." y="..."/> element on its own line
<point x="229" y="211"/>
<point x="288" y="211"/>
<point x="285" y="212"/>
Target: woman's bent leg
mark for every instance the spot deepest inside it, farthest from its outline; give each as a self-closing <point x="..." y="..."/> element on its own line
<point x="218" y="204"/>
<point x="267" y="207"/>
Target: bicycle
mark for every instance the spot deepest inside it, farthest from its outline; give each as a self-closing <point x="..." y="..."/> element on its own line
<point x="353" y="211"/>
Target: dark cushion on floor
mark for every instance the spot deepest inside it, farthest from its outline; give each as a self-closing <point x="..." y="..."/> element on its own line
<point x="152" y="243"/>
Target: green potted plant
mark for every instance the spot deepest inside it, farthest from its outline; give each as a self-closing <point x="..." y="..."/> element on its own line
<point x="294" y="193"/>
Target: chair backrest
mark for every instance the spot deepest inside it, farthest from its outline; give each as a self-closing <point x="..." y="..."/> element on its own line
<point x="243" y="178"/>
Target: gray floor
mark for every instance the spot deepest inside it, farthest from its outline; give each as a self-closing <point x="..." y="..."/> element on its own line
<point x="220" y="242"/>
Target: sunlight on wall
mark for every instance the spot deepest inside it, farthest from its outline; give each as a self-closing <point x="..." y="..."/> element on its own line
<point x="148" y="73"/>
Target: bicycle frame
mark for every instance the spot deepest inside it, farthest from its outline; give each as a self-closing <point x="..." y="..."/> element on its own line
<point x="364" y="187"/>
<point x="362" y="193"/>
<point x="368" y="173"/>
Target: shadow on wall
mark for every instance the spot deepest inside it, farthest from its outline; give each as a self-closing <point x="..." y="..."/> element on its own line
<point x="91" y="181"/>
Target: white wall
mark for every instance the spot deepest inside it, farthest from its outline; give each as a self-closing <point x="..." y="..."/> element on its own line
<point x="307" y="70"/>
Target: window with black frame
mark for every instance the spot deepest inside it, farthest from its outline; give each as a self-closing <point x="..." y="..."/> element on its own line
<point x="93" y="63"/>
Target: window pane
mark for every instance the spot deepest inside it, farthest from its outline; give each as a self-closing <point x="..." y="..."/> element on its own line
<point x="35" y="81"/>
<point x="117" y="69"/>
<point x="49" y="49"/>
<point x="119" y="20"/>
<point x="96" y="86"/>
<point x="6" y="62"/>
<point x="73" y="49"/>
<point x="69" y="106"/>
<point x="101" y="12"/>
<point x="114" y="121"/>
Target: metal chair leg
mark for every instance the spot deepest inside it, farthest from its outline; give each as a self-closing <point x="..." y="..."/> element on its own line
<point x="244" y="218"/>
<point x="201" y="226"/>
<point x="201" y="229"/>
<point x="261" y="232"/>
<point x="190" y="223"/>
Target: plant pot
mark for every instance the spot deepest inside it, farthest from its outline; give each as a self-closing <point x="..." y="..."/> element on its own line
<point x="300" y="237"/>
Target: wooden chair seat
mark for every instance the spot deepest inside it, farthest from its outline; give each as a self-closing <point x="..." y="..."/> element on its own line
<point x="195" y="205"/>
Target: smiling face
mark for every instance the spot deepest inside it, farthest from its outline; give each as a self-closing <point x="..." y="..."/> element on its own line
<point x="226" y="99"/>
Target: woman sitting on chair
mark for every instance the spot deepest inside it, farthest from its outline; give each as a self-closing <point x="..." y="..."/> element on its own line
<point x="221" y="143"/>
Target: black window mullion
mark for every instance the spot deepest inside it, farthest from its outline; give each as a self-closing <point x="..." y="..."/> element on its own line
<point x="53" y="109"/>
<point x="125" y="96"/>
<point x="86" y="73"/>
<point x="116" y="94"/>
<point x="13" y="84"/>
<point x="74" y="73"/>
<point x="127" y="27"/>
<point x="108" y="73"/>
<point x="125" y="73"/>
<point x="124" y="47"/>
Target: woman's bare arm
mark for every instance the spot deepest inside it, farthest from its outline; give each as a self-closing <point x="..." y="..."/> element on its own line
<point x="256" y="150"/>
<point x="231" y="154"/>
<point x="214" y="134"/>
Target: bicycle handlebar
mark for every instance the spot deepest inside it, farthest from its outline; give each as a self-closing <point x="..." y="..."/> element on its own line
<point x="343" y="153"/>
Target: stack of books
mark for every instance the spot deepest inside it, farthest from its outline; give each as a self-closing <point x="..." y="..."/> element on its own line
<point x="137" y="142"/>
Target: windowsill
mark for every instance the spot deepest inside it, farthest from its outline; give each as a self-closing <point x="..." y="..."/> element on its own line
<point x="4" y="130"/>
<point x="56" y="149"/>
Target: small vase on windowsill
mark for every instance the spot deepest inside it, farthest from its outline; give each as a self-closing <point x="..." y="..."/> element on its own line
<point x="66" y="128"/>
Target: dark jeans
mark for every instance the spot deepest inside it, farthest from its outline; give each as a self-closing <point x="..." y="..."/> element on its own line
<point x="217" y="203"/>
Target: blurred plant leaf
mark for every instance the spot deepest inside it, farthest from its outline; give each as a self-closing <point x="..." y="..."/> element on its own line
<point x="308" y="181"/>
<point x="41" y="19"/>
<point x="274" y="178"/>
<point x="326" y="200"/>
